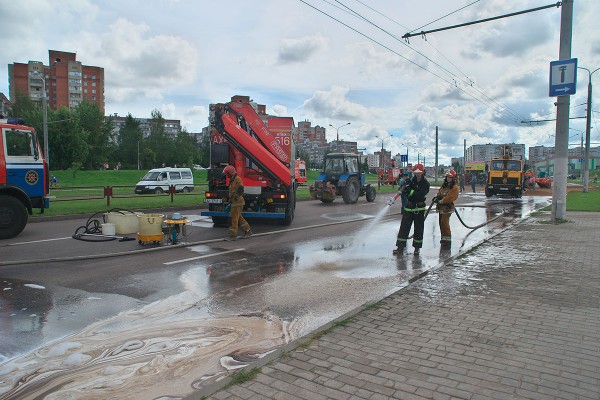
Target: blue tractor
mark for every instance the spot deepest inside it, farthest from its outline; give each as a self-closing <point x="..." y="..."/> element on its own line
<point x="341" y="176"/>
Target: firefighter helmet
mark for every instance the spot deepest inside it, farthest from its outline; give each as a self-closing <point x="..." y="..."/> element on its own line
<point x="418" y="168"/>
<point x="451" y="173"/>
<point x="229" y="170"/>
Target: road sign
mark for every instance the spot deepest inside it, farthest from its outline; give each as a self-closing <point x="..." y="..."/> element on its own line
<point x="563" y="77"/>
<point x="581" y="160"/>
<point x="403" y="157"/>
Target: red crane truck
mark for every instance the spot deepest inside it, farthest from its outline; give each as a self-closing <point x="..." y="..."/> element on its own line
<point x="24" y="182"/>
<point x="261" y="149"/>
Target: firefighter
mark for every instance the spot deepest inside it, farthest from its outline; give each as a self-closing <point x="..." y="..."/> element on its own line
<point x="414" y="211"/>
<point x="236" y="203"/>
<point x="402" y="182"/>
<point x="444" y="200"/>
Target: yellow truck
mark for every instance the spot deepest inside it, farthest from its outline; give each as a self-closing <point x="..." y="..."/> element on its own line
<point x="505" y="175"/>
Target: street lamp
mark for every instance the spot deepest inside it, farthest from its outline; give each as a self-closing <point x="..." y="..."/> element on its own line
<point x="586" y="166"/>
<point x="45" y="113"/>
<point x="337" y="131"/>
<point x="381" y="155"/>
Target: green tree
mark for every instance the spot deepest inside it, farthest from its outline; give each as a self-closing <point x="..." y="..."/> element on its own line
<point x="98" y="131"/>
<point x="68" y="142"/>
<point x="187" y="149"/>
<point x="130" y="137"/>
<point x="158" y="142"/>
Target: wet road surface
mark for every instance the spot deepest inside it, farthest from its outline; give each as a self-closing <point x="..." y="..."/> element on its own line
<point x="222" y="313"/>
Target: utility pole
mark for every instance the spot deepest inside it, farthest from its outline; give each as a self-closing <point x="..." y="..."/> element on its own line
<point x="561" y="139"/>
<point x="436" y="153"/>
<point x="586" y="166"/>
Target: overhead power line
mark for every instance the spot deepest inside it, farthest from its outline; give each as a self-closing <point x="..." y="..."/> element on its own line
<point x="423" y="33"/>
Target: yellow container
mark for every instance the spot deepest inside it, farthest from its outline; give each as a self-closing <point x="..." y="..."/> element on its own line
<point x="150" y="224"/>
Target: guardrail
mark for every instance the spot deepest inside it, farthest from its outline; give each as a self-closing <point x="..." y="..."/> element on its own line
<point x="83" y="193"/>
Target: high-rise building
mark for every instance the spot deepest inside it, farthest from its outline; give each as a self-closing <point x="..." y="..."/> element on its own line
<point x="67" y="81"/>
<point x="305" y="132"/>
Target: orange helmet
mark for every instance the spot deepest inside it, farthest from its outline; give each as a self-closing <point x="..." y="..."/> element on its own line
<point x="229" y="170"/>
<point x="451" y="173"/>
<point x="418" y="168"/>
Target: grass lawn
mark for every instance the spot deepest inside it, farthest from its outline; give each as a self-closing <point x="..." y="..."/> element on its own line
<point x="82" y="192"/>
<point x="579" y="201"/>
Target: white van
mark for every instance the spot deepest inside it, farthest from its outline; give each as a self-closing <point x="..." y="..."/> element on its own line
<point x="158" y="181"/>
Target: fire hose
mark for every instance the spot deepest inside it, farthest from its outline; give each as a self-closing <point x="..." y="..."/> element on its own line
<point x="392" y="199"/>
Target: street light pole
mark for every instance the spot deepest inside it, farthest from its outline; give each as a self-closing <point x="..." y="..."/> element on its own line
<point x="586" y="166"/>
<point x="45" y="114"/>
<point x="337" y="131"/>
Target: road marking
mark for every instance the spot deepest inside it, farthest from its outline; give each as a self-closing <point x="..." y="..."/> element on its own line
<point x="204" y="256"/>
<point x="39" y="241"/>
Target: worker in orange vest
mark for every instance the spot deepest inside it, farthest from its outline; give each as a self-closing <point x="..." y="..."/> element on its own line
<point x="444" y="200"/>
<point x="236" y="202"/>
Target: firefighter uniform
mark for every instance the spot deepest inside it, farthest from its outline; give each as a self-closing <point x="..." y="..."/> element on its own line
<point x="445" y="198"/>
<point x="236" y="201"/>
<point x="414" y="212"/>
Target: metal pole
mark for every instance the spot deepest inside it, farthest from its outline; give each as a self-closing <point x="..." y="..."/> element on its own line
<point x="586" y="166"/>
<point x="436" y="153"/>
<point x="45" y="105"/>
<point x="561" y="143"/>
<point x="138" y="163"/>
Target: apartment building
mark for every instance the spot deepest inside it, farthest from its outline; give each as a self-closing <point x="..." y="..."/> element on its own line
<point x="66" y="80"/>
<point x="172" y="126"/>
<point x="484" y="152"/>
<point x="305" y="132"/>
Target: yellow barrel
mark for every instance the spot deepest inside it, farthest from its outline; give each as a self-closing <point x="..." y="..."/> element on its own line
<point x="150" y="224"/>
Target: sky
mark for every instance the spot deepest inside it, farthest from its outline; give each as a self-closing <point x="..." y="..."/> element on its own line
<point x="326" y="61"/>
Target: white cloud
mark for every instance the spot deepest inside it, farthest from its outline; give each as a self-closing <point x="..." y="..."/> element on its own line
<point x="300" y="50"/>
<point x="474" y="83"/>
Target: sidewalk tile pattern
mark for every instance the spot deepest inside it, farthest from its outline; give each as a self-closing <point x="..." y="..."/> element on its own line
<point x="518" y="317"/>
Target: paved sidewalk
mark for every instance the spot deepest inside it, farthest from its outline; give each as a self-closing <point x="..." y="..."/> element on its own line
<point x="518" y="317"/>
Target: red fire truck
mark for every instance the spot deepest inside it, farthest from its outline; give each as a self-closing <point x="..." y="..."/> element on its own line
<point x="24" y="182"/>
<point x="262" y="151"/>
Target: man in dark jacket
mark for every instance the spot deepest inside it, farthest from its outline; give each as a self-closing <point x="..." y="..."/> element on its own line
<point x="414" y="211"/>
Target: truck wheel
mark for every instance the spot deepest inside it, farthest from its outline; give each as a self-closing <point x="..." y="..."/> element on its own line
<point x="488" y="192"/>
<point x="351" y="191"/>
<point x="371" y="194"/>
<point x="290" y="208"/>
<point x="220" y="221"/>
<point x="158" y="191"/>
<point x="326" y="201"/>
<point x="518" y="193"/>
<point x="13" y="217"/>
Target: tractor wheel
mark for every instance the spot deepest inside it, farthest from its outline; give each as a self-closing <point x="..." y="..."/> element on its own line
<point x="371" y="194"/>
<point x="488" y="192"/>
<point x="351" y="191"/>
<point x="13" y="217"/>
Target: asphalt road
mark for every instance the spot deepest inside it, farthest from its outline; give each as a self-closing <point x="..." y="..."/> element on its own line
<point x="76" y="301"/>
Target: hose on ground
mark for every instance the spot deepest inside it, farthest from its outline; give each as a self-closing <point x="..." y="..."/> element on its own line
<point x="92" y="230"/>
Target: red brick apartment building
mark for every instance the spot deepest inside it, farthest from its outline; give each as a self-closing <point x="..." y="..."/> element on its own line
<point x="67" y="81"/>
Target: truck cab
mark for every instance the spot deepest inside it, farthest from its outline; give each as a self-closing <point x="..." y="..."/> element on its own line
<point x="504" y="176"/>
<point x="24" y="183"/>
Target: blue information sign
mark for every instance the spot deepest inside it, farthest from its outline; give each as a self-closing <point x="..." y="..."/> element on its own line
<point x="563" y="77"/>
